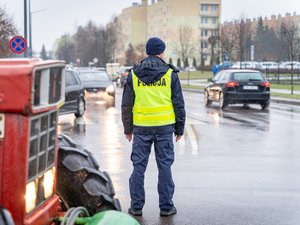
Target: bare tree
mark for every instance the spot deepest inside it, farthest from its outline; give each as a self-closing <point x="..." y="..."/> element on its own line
<point x="185" y="47"/>
<point x="213" y="40"/>
<point x="290" y="43"/>
<point x="65" y="48"/>
<point x="289" y="39"/>
<point x="130" y="56"/>
<point x="178" y="64"/>
<point x="7" y="30"/>
<point x="92" y="42"/>
<point x="227" y="41"/>
<point x="85" y="43"/>
<point x="140" y="52"/>
<point x="242" y="36"/>
<point x="112" y="36"/>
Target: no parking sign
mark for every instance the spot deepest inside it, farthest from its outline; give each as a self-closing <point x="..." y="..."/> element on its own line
<point x="18" y="44"/>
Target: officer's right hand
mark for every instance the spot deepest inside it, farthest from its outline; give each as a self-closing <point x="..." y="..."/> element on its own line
<point x="128" y="137"/>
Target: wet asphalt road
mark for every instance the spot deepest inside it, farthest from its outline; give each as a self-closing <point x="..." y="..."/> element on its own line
<point x="240" y="166"/>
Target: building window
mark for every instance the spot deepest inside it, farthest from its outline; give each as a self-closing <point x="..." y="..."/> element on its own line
<point x="214" y="20"/>
<point x="214" y="8"/>
<point x="203" y="45"/>
<point x="204" y="7"/>
<point x="204" y="20"/>
<point x="214" y="32"/>
<point x="204" y="33"/>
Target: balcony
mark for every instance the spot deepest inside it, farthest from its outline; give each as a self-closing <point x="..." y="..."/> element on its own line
<point x="209" y="26"/>
<point x="209" y="13"/>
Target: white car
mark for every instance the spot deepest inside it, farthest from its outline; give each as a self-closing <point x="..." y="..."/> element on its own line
<point x="288" y="65"/>
<point x="269" y="65"/>
<point x="246" y="65"/>
<point x="191" y="68"/>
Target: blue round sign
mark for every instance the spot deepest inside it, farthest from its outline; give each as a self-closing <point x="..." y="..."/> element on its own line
<point x="18" y="44"/>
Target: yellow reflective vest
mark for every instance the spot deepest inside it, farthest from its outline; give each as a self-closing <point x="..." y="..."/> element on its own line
<point x="153" y="104"/>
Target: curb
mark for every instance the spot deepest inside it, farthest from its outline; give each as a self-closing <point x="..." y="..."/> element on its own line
<point x="287" y="101"/>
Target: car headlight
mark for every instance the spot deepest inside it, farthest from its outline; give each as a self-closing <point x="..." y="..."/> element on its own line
<point x="30" y="196"/>
<point x="110" y="89"/>
<point x="48" y="183"/>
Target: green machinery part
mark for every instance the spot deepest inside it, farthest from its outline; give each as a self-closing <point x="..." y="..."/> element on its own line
<point x="110" y="217"/>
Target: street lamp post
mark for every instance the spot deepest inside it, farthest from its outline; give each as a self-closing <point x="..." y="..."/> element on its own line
<point x="30" y="25"/>
<point x="30" y="41"/>
<point x="25" y="24"/>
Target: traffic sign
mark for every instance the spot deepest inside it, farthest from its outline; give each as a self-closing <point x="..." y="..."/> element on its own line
<point x="18" y="44"/>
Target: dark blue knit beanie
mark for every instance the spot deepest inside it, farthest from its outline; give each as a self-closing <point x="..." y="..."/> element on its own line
<point x="155" y="46"/>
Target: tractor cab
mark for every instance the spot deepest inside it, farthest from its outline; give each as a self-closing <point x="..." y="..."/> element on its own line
<point x="31" y="93"/>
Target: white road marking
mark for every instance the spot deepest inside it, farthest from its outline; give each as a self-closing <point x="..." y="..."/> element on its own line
<point x="193" y="139"/>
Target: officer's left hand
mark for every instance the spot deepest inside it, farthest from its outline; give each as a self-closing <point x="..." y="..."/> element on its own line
<point x="177" y="137"/>
<point x="128" y="137"/>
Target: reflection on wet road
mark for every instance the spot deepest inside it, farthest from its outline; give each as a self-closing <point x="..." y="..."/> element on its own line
<point x="236" y="166"/>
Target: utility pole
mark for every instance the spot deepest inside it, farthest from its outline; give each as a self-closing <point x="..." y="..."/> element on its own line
<point x="30" y="26"/>
<point x="30" y="36"/>
<point x="25" y="24"/>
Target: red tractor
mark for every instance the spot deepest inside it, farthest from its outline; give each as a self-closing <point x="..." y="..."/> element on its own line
<point x="46" y="179"/>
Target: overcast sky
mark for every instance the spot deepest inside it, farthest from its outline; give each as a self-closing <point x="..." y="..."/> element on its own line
<point x="63" y="16"/>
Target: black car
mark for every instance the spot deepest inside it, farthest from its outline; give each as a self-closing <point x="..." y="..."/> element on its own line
<point x="123" y="74"/>
<point x="98" y="85"/>
<point x="74" y="95"/>
<point x="238" y="87"/>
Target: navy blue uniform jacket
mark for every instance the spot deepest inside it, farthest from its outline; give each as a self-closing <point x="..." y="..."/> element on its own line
<point x="150" y="70"/>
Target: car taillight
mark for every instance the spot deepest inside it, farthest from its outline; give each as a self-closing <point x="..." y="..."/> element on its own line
<point x="232" y="84"/>
<point x="265" y="84"/>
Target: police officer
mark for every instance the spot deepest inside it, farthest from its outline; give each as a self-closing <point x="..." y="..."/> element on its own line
<point x="152" y="110"/>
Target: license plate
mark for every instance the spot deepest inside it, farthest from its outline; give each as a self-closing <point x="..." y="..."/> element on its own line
<point x="250" y="87"/>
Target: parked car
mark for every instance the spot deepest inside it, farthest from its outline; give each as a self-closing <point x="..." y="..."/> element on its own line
<point x="74" y="95"/>
<point x="288" y="65"/>
<point x="98" y="85"/>
<point x="123" y="74"/>
<point x="238" y="86"/>
<point x="245" y="65"/>
<point x="269" y="65"/>
<point x="190" y="68"/>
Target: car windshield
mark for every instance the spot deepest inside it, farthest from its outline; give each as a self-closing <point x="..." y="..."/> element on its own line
<point x="247" y="76"/>
<point x="93" y="76"/>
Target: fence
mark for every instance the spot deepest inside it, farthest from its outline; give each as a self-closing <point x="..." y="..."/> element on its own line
<point x="282" y="76"/>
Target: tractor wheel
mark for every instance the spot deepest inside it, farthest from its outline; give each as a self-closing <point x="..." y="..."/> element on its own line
<point x="79" y="180"/>
<point x="65" y="141"/>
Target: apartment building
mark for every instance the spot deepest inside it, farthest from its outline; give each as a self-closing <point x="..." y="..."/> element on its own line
<point x="275" y="21"/>
<point x="194" y="21"/>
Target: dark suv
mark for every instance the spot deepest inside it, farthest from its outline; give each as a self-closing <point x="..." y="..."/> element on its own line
<point x="238" y="86"/>
<point x="74" y="95"/>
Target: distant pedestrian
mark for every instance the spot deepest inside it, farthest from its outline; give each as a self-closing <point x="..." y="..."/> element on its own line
<point x="215" y="69"/>
<point x="152" y="110"/>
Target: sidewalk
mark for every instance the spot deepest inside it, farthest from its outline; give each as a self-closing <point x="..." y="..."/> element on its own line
<point x="290" y="101"/>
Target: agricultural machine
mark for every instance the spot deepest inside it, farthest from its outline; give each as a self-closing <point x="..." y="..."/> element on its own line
<point x="45" y="178"/>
